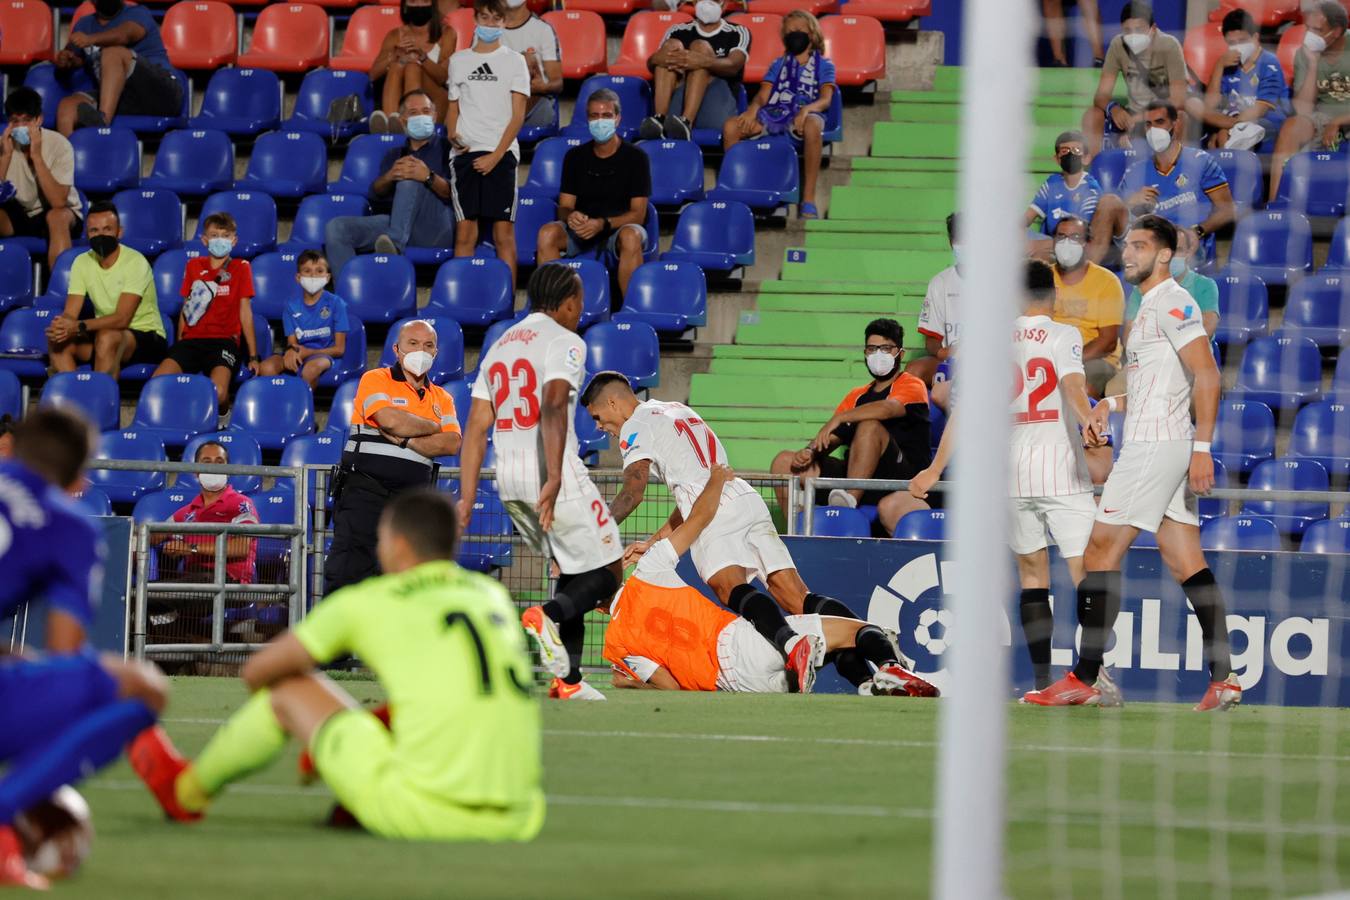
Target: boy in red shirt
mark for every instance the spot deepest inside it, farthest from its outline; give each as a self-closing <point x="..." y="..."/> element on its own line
<point x="217" y="292"/>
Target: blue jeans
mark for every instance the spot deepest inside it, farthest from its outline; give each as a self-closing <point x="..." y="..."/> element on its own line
<point x="719" y="104"/>
<point x="418" y="218"/>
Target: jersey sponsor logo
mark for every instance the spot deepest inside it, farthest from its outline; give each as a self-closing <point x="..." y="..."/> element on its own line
<point x="436" y="410"/>
<point x="304" y="334"/>
<point x="628" y="443"/>
<point x="482" y="73"/>
<point x="1181" y="314"/>
<point x="400" y="401"/>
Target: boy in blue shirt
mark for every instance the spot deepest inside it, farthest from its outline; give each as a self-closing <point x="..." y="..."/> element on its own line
<point x="1247" y="100"/>
<point x="315" y="324"/>
<point x="120" y="47"/>
<point x="1073" y="193"/>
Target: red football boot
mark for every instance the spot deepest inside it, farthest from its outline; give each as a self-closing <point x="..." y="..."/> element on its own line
<point x="154" y="758"/>
<point x="13" y="868"/>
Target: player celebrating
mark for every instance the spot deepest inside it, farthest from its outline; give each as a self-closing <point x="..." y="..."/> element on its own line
<point x="460" y="760"/>
<point x="526" y="392"/>
<point x="1050" y="485"/>
<point x="718" y="650"/>
<point x="1164" y="463"/>
<point x="67" y="713"/>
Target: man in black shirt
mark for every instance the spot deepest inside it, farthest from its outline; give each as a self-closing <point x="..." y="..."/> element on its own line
<point x="696" y="70"/>
<point x="603" y="201"/>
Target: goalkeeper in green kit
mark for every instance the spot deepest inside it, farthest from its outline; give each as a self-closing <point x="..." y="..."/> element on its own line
<point x="460" y="760"/>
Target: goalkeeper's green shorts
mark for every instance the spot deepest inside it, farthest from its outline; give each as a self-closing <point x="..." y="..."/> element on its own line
<point x="354" y="754"/>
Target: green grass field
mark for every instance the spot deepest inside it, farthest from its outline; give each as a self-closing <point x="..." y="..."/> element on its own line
<point x="659" y="795"/>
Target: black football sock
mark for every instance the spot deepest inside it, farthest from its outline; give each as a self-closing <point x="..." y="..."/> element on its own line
<point x="579" y="594"/>
<point x="871" y="643"/>
<point x="1207" y="601"/>
<point x="820" y="605"/>
<point x="1098" y="603"/>
<point x="759" y="608"/>
<point x="850" y="665"/>
<point x="1037" y="625"/>
<point x="573" y="634"/>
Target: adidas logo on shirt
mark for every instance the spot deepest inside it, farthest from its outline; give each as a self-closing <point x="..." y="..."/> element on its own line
<point x="482" y="73"/>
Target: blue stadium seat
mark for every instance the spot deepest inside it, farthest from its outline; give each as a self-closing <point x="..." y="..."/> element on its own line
<point x="762" y="174"/>
<point x="242" y="450"/>
<point x="266" y="336"/>
<point x="159" y="506"/>
<point x="106" y="159"/>
<point x="152" y="221"/>
<point x="834" y="121"/>
<point x="594" y="290"/>
<point x="287" y="164"/>
<point x="59" y="279"/>
<point x="275" y="507"/>
<point x="142" y="371"/>
<point x="23" y="341"/>
<point x="1244" y="434"/>
<point x="635" y="97"/>
<point x="712" y="137"/>
<point x="839" y="521"/>
<point x="1281" y="370"/>
<point x="1330" y="537"/>
<point x="352" y="363"/>
<point x="1212" y="507"/>
<point x="669" y="296"/>
<point x="1244" y="306"/>
<point x="590" y="439"/>
<point x="378" y="288"/>
<point x="628" y="347"/>
<point x="532" y="213"/>
<point x="677" y="171"/>
<point x="533" y="134"/>
<point x="11" y="394"/>
<point x="16" y="276"/>
<point x="169" y="267"/>
<point x="714" y="235"/>
<point x="473" y="291"/>
<point x="161" y="124"/>
<point x="1340" y="380"/>
<point x="1322" y="433"/>
<point x="1314" y="184"/>
<point x="273" y="410"/>
<point x="487" y="538"/>
<point x="340" y="409"/>
<point x="54" y="85"/>
<point x="1245" y="178"/>
<point x="317" y="93"/>
<point x="274" y="282"/>
<point x="1240" y="533"/>
<point x="322" y="449"/>
<point x="361" y="163"/>
<point x="124" y="486"/>
<point x="1288" y="474"/>
<point x="175" y="408"/>
<point x="313" y="216"/>
<point x="461" y="394"/>
<point x="93" y="394"/>
<point x="94" y="501"/>
<point x="254" y="213"/>
<point x="922" y="525"/>
<point x="1318" y="307"/>
<point x="241" y="102"/>
<point x="429" y="256"/>
<point x="545" y="176"/>
<point x="449" y="362"/>
<point x="1109" y="166"/>
<point x="1338" y="254"/>
<point x="1275" y="245"/>
<point x="193" y="163"/>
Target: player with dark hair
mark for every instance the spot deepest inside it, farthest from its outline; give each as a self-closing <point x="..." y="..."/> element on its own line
<point x="460" y="759"/>
<point x="1164" y="463"/>
<point x="67" y="712"/>
<point x="526" y="392"/>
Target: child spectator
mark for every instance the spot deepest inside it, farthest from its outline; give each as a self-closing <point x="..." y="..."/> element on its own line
<point x="218" y="293"/>
<point x="315" y="325"/>
<point x="1246" y="100"/>
<point x="414" y="57"/>
<point x="792" y="100"/>
<point x="535" y="39"/>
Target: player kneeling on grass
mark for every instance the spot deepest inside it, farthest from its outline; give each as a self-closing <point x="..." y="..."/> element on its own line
<point x="664" y="634"/>
<point x="460" y="760"/>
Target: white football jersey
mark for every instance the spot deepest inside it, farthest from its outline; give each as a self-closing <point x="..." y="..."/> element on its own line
<point x="938" y="317"/>
<point x="1157" y="385"/>
<point x="681" y="447"/>
<point x="1046" y="449"/>
<point x="511" y="377"/>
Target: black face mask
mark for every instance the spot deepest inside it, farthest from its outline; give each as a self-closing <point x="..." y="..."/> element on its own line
<point x="416" y="15"/>
<point x="1071" y="163"/>
<point x="106" y="9"/>
<point x="104" y="245"/>
<point x="796" y="42"/>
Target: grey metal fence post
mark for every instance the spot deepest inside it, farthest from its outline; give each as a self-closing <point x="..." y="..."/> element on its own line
<point x="142" y="600"/>
<point x="320" y="536"/>
<point x="809" y="507"/>
<point x="790" y="514"/>
<point x="300" y="490"/>
<point x="218" y="601"/>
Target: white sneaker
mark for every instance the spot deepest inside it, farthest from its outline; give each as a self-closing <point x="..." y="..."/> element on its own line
<point x="893" y="638"/>
<point x="1110" y="691"/>
<point x="841" y="497"/>
<point x="561" y="690"/>
<point x="552" y="653"/>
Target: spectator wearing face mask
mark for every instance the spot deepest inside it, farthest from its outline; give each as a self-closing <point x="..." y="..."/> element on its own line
<point x="695" y="71"/>
<point x="414" y="57"/>
<point x="1154" y="68"/>
<point x="1089" y="298"/>
<point x="315" y="324"/>
<point x="792" y="100"/>
<point x="219" y="503"/>
<point x="1321" y="89"/>
<point x="535" y="39"/>
<point x="1246" y="99"/>
<point x="1073" y="193"/>
<point x="39" y="164"/>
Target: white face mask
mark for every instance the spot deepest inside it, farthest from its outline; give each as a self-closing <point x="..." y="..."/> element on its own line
<point x="515" y="4"/>
<point x="707" y="11"/>
<point x="1068" y="253"/>
<point x="1314" y="42"/>
<point x="1245" y="51"/>
<point x="417" y="363"/>
<point x="1138" y="43"/>
<point x="880" y="363"/>
<point x="313" y="284"/>
<point x="214" y="482"/>
<point x="1159" y="139"/>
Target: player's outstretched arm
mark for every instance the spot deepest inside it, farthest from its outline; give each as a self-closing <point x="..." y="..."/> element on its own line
<point x="923" y="482"/>
<point x="472" y="450"/>
<point x="1073" y="387"/>
<point x="703" y="511"/>
<point x="634" y="488"/>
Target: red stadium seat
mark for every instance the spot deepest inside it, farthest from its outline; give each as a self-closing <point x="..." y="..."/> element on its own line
<point x="857" y="46"/>
<point x="1267" y="13"/>
<point x="1203" y="46"/>
<point x="888" y="10"/>
<point x="581" y="35"/>
<point x="201" y="34"/>
<point x="641" y="39"/>
<point x="766" y="42"/>
<point x="783" y="7"/>
<point x="608" y="7"/>
<point x="365" y="32"/>
<point x="26" y="29"/>
<point x="462" y="21"/>
<point x="1290" y="41"/>
<point x="339" y="4"/>
<point x="289" y="37"/>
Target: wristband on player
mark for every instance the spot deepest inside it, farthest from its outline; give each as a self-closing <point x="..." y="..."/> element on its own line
<point x="1111" y="404"/>
<point x="1200" y="447"/>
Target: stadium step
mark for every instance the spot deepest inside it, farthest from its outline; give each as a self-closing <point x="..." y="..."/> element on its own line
<point x="821" y="368"/>
<point x="1075" y="82"/>
<point x="911" y="289"/>
<point x="1039" y="164"/>
<point x="1055" y="113"/>
<point x="872" y="304"/>
<point x="929" y="139"/>
<point x="884" y="266"/>
<point x="827" y="329"/>
<point x="849" y="202"/>
<point x="882" y="241"/>
<point x="783" y="390"/>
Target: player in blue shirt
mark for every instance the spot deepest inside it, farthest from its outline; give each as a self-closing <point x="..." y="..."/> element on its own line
<point x="67" y="712"/>
<point x="1247" y="99"/>
<point x="1073" y="193"/>
<point x="120" y="47"/>
<point x="315" y="324"/>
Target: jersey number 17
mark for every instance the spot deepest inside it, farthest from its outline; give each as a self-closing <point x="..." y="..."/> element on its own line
<point x="686" y="427"/>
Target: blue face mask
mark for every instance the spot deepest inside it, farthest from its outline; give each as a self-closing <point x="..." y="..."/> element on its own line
<point x="602" y="129"/>
<point x="1177" y="267"/>
<point x="219" y="247"/>
<point x="419" y="128"/>
<point x="486" y="34"/>
<point x="20" y="135"/>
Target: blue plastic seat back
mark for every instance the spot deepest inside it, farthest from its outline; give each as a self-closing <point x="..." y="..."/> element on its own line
<point x="314" y="214"/>
<point x="1331" y="537"/>
<point x="628" y="347"/>
<point x="106" y="159"/>
<point x="378" y="289"/>
<point x="273" y="410"/>
<point x="93" y="394"/>
<point x="361" y="162"/>
<point x="669" y="296"/>
<point x="126" y="486"/>
<point x="152" y="220"/>
<point x="545" y="177"/>
<point x="838" y="521"/>
<point x="1288" y="474"/>
<point x="595" y="289"/>
<point x="677" y="171"/>
<point x="922" y="525"/>
<point x="474" y="291"/>
<point x="255" y="214"/>
<point x="449" y="362"/>
<point x="287" y="164"/>
<point x="241" y="101"/>
<point x="185" y="404"/>
<point x="1244" y="434"/>
<point x="193" y="162"/>
<point x="1272" y="244"/>
<point x="240" y="449"/>
<point x="1322" y="432"/>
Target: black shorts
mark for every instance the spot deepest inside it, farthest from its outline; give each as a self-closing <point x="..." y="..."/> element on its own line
<point x="150" y="91"/>
<point x="889" y="468"/>
<point x="198" y="356"/>
<point x="475" y="197"/>
<point x="151" y="348"/>
<point x="36" y="226"/>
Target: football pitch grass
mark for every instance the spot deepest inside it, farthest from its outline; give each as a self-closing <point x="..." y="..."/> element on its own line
<point x="682" y="795"/>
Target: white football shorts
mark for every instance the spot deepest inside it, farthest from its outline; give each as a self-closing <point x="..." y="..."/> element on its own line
<point x="583" y="537"/>
<point x="741" y="534"/>
<point x="750" y="664"/>
<point x="1068" y="520"/>
<point x="1150" y="482"/>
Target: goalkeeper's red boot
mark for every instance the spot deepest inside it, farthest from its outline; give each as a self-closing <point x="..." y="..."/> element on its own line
<point x="1221" y="695"/>
<point x="13" y="868"/>
<point x="1068" y="691"/>
<point x="154" y="758"/>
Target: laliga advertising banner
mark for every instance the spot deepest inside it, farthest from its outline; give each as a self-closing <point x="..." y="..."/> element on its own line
<point x="1288" y="618"/>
